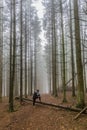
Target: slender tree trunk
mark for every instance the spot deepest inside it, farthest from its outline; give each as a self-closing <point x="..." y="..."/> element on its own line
<point x="53" y="52"/>
<point x="63" y="52"/>
<point x="31" y="53"/>
<point x="31" y="65"/>
<point x="35" y="66"/>
<point x="11" y="107"/>
<point x="1" y="47"/>
<point x="72" y="54"/>
<point x="50" y="64"/>
<point x="29" y="10"/>
<point x="21" y="52"/>
<point x="11" y="29"/>
<point x="25" y="51"/>
<point x="84" y="71"/>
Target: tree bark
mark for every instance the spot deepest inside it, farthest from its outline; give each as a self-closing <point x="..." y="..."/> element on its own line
<point x="72" y="54"/>
<point x="81" y="101"/>
<point x="1" y="47"/>
<point x="63" y="53"/>
<point x="12" y="60"/>
<point x="21" y="51"/>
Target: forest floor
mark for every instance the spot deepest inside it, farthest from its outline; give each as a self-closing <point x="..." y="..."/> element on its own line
<point x="40" y="117"/>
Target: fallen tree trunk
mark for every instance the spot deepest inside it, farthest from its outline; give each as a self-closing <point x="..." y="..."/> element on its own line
<point x="54" y="105"/>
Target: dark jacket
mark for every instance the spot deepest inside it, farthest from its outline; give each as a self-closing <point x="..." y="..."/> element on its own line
<point x="36" y="95"/>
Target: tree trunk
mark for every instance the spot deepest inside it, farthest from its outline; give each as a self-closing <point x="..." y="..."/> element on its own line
<point x="25" y="49"/>
<point x="72" y="54"/>
<point x="81" y="101"/>
<point x="11" y="107"/>
<point x="35" y="66"/>
<point x="54" y="83"/>
<point x="21" y="52"/>
<point x="1" y="47"/>
<point x="63" y="52"/>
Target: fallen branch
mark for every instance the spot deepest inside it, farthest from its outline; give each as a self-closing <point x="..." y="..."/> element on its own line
<point x="70" y="80"/>
<point x="83" y="110"/>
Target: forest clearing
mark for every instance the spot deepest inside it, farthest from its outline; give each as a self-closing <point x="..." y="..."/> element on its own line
<point x="40" y="117"/>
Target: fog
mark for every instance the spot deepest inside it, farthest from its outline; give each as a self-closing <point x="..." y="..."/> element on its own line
<point x="42" y="70"/>
<point x="41" y="76"/>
